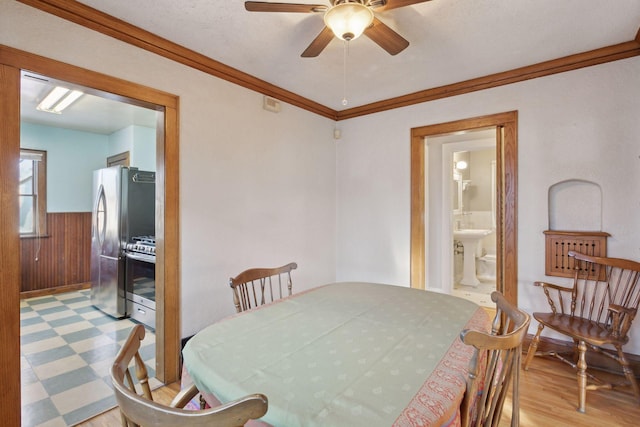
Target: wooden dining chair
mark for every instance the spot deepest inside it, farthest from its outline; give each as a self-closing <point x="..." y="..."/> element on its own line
<point x="495" y="366"/>
<point x="137" y="407"/>
<point x="258" y="286"/>
<point x="596" y="313"/>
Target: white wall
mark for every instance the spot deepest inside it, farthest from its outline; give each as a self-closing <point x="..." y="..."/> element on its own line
<point x="478" y="195"/>
<point x="256" y="188"/>
<point x="582" y="124"/>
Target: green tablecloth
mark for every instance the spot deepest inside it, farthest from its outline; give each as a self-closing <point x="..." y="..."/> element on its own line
<point x="344" y="354"/>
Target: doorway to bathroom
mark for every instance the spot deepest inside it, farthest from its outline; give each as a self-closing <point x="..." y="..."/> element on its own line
<point x="469" y="187"/>
<point x="433" y="203"/>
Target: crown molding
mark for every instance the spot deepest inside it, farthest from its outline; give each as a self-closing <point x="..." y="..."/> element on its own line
<point x="541" y="69"/>
<point x="106" y="24"/>
<point x="91" y="18"/>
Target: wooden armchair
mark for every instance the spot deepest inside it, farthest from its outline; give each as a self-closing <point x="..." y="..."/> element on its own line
<point x="495" y="364"/>
<point x="596" y="313"/>
<point x="140" y="410"/>
<point x="255" y="286"/>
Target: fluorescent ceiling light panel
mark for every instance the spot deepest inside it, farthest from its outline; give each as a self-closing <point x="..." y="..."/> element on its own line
<point x="58" y="99"/>
<point x="54" y="96"/>
<point x="67" y="100"/>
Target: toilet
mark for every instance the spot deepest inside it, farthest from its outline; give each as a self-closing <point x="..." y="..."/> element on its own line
<point x="486" y="268"/>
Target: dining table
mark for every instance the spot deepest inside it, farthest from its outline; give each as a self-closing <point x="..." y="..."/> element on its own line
<point x="343" y="354"/>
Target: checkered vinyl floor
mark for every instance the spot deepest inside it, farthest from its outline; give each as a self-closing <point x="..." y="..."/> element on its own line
<point x="66" y="349"/>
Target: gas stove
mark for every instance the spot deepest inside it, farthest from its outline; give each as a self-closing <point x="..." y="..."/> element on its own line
<point x="140" y="281"/>
<point x="141" y="248"/>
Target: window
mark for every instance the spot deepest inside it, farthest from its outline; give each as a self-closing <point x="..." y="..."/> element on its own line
<point x="33" y="193"/>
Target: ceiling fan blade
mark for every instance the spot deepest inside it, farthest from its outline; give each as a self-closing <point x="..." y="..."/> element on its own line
<point x="261" y="6"/>
<point x="385" y="37"/>
<point x="318" y="44"/>
<point x="394" y="4"/>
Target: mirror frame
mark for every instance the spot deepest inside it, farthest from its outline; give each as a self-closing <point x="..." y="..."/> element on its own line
<point x="456" y="193"/>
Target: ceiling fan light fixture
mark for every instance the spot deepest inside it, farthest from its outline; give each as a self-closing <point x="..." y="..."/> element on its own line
<point x="348" y="20"/>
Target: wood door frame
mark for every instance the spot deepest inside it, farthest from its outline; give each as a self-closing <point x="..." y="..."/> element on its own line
<point x="506" y="197"/>
<point x="12" y="62"/>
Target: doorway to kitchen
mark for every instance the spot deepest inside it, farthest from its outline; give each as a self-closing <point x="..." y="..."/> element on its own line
<point x="67" y="344"/>
<point x="428" y="231"/>
<point x="13" y="62"/>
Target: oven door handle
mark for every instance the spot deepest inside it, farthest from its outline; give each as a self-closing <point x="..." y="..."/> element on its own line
<point x="141" y="257"/>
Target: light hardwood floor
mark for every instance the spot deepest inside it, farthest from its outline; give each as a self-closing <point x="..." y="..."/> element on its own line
<point x="548" y="398"/>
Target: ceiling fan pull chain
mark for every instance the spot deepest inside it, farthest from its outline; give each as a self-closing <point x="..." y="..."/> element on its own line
<point x="344" y="74"/>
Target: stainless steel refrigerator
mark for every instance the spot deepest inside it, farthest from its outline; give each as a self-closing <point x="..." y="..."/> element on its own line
<point x="123" y="207"/>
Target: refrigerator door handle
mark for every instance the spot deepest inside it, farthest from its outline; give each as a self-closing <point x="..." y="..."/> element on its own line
<point x="101" y="216"/>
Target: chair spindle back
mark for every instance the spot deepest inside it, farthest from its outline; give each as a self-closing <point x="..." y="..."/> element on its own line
<point x="605" y="290"/>
<point x="494" y="366"/>
<point x="139" y="410"/>
<point x="258" y="286"/>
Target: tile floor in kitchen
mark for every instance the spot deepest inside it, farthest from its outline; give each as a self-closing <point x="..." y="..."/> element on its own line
<point x="66" y="349"/>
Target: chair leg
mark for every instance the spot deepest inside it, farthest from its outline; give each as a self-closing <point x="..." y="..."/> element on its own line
<point x="203" y="403"/>
<point x="576" y="351"/>
<point x="533" y="347"/>
<point x="582" y="377"/>
<point x="515" y="396"/>
<point x="628" y="373"/>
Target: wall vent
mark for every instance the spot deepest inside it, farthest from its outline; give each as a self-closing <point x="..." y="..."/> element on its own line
<point x="559" y="243"/>
<point x="271" y="104"/>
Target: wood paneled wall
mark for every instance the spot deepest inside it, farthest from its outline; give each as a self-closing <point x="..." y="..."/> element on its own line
<point x="63" y="258"/>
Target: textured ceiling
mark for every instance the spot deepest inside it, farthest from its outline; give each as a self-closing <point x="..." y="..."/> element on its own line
<point x="450" y="41"/>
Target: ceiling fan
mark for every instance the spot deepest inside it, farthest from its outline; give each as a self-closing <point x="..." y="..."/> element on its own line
<point x="347" y="20"/>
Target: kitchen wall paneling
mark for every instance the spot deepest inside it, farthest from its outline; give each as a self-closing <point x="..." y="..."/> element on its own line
<point x="62" y="258"/>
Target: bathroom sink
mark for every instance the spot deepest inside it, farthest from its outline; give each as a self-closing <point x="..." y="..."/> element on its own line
<point x="471" y="234"/>
<point x="470" y="239"/>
